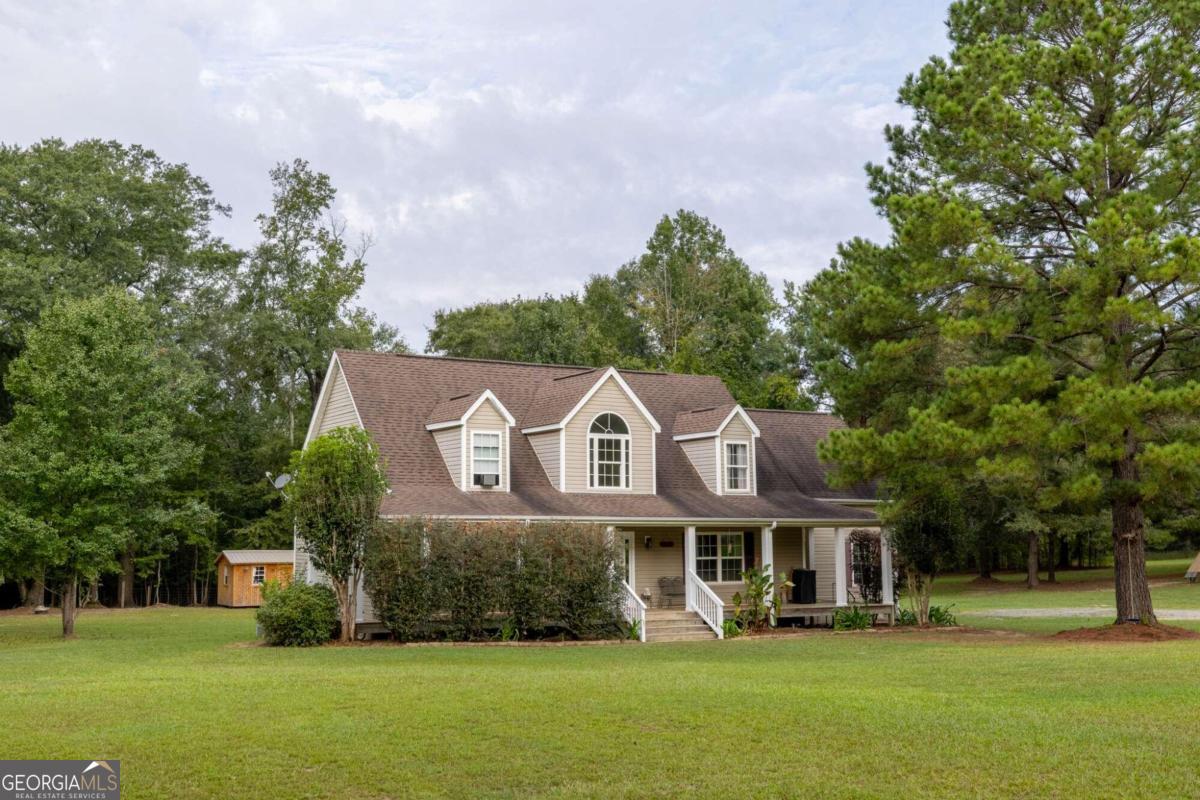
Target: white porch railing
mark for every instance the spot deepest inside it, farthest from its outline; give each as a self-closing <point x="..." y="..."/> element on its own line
<point x="704" y="601"/>
<point x="634" y="609"/>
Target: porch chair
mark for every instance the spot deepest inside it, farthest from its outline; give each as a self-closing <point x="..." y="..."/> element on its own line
<point x="670" y="588"/>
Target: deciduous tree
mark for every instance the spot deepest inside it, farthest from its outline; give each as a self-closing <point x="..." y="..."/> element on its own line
<point x="334" y="497"/>
<point x="94" y="443"/>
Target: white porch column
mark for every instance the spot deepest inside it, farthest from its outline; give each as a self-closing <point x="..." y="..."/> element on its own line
<point x="885" y="564"/>
<point x="768" y="562"/>
<point x="810" y="555"/>
<point x="689" y="562"/>
<point x="839" y="567"/>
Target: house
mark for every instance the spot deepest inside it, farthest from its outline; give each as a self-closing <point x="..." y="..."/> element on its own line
<point x="695" y="486"/>
<point x="241" y="574"/>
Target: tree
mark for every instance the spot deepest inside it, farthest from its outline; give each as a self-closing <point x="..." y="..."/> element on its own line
<point x="1044" y="206"/>
<point x="545" y="330"/>
<point x="927" y="529"/>
<point x="94" y="441"/>
<point x="688" y="304"/>
<point x="77" y="219"/>
<point x="336" y="489"/>
<point x="296" y="296"/>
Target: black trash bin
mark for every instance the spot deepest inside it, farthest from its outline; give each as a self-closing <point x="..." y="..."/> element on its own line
<point x="804" y="589"/>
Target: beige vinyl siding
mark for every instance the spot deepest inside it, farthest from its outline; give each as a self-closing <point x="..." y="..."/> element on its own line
<point x="487" y="419"/>
<point x="738" y="431"/>
<point x="548" y="452"/>
<point x="703" y="455"/>
<point x="300" y="570"/>
<point x="612" y="399"/>
<point x="449" y="441"/>
<point x="366" y="609"/>
<point x="339" y="406"/>
<point x="657" y="562"/>
<point x="790" y="551"/>
<point x="824" y="543"/>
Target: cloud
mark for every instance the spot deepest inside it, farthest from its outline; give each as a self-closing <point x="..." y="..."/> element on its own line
<point x="494" y="149"/>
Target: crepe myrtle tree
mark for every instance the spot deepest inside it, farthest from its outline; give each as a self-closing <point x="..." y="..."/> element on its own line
<point x="1045" y="204"/>
<point x="336" y="489"/>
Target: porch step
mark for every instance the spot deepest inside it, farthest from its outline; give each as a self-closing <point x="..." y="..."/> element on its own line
<point x="666" y="625"/>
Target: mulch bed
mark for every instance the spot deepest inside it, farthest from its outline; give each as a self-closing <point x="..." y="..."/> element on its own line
<point x="1127" y="633"/>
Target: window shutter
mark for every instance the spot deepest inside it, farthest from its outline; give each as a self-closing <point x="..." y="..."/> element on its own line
<point x="747" y="550"/>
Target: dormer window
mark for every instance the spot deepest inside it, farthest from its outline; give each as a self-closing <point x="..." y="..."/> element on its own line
<point x="485" y="459"/>
<point x="737" y="466"/>
<point x="608" y="453"/>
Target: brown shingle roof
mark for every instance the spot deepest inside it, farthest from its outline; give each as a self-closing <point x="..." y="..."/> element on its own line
<point x="396" y="394"/>
<point x="453" y="408"/>
<point x="701" y="420"/>
<point x="787" y="454"/>
<point x="556" y="397"/>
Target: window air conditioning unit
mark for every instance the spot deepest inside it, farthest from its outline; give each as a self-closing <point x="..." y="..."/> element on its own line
<point x="487" y="480"/>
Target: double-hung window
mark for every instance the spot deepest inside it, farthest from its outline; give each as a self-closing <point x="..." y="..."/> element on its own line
<point x="485" y="458"/>
<point x="737" y="467"/>
<point x="608" y="453"/>
<point x="260" y="576"/>
<point x="720" y="557"/>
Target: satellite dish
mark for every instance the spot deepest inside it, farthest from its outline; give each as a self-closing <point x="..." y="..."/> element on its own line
<point x="279" y="481"/>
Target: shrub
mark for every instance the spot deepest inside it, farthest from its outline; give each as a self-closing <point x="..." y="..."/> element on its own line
<point x="731" y="629"/>
<point x="429" y="578"/>
<point x="906" y="616"/>
<point x="851" y="619"/>
<point x="297" y="614"/>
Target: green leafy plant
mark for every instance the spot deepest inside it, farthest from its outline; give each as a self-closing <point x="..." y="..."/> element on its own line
<point x="731" y="629"/>
<point x="297" y="614"/>
<point x="851" y="619"/>
<point x="634" y="630"/>
<point x="906" y="616"/>
<point x="942" y="616"/>
<point x="755" y="608"/>
<point x="509" y="632"/>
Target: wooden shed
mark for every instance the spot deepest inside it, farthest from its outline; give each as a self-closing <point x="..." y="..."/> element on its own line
<point x="241" y="574"/>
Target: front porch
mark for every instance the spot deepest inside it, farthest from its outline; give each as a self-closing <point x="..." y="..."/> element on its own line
<point x="697" y="569"/>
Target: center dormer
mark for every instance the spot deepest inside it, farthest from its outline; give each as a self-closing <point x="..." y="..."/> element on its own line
<point x="592" y="433"/>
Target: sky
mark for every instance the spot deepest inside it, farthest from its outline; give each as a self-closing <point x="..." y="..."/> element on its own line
<point x="493" y="149"/>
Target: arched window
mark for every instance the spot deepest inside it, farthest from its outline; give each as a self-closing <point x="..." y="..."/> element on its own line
<point x="608" y="453"/>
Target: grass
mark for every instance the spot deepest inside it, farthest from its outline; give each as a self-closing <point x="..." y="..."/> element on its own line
<point x="194" y="711"/>
<point x="1088" y="588"/>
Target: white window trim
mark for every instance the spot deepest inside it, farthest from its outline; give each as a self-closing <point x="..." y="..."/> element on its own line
<point x="499" y="461"/>
<point x="254" y="575"/>
<point x="747" y="443"/>
<point x="720" y="572"/>
<point x="626" y="473"/>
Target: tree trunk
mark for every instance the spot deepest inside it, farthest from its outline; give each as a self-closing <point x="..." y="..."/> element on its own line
<point x="23" y="588"/>
<point x="985" y="560"/>
<point x="69" y="597"/>
<point x="125" y="584"/>
<point x="1031" y="563"/>
<point x="1050" y="546"/>
<point x="38" y="596"/>
<point x="1129" y="562"/>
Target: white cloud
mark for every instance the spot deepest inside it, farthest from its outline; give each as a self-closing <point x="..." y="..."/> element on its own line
<point x="492" y="149"/>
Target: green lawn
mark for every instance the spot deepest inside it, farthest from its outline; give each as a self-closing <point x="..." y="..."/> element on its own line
<point x="1091" y="588"/>
<point x="193" y="711"/>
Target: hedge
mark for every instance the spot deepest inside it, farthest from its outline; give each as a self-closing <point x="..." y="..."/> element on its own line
<point x="444" y="579"/>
